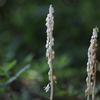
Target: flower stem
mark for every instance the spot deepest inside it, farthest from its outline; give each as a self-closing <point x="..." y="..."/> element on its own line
<point x="51" y="83"/>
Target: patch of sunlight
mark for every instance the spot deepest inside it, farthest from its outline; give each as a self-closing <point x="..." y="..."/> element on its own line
<point x="32" y="74"/>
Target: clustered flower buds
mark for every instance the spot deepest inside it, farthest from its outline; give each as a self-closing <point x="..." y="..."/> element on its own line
<point x="50" y="39"/>
<point x="49" y="51"/>
<point x="92" y="65"/>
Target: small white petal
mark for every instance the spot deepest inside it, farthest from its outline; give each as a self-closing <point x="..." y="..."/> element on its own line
<point x="46" y="88"/>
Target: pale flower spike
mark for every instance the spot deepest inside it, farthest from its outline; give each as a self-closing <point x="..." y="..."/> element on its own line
<point x="49" y="51"/>
<point x="92" y="65"/>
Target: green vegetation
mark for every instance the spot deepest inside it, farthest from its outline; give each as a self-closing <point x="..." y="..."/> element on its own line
<point x="23" y="65"/>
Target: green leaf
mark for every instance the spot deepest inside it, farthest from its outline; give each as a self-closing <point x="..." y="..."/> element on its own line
<point x="28" y="58"/>
<point x="2" y="74"/>
<point x="60" y="93"/>
<point x="17" y="74"/>
<point x="12" y="64"/>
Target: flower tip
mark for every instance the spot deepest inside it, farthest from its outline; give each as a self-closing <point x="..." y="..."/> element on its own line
<point x="96" y="28"/>
<point x="51" y="5"/>
<point x="51" y="9"/>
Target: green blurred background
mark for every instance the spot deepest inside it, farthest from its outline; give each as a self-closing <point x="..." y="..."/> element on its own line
<point x="23" y="65"/>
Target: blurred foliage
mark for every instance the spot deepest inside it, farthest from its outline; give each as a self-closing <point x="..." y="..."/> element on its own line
<point x="22" y="43"/>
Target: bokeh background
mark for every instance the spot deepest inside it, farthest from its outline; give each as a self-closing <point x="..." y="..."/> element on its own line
<point x="23" y="65"/>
